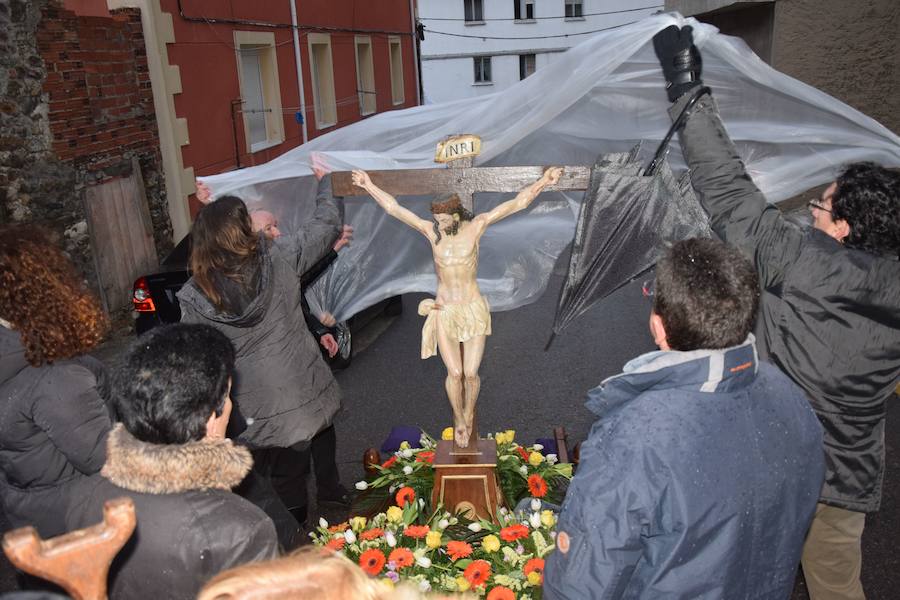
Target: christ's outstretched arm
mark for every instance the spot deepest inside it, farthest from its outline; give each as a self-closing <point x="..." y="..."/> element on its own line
<point x="390" y="204"/>
<point x="523" y="199"/>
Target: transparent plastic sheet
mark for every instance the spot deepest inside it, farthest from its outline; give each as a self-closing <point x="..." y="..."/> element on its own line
<point x="602" y="96"/>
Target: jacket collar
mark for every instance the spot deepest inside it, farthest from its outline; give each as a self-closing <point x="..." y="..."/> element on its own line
<point x="723" y="370"/>
<point x="171" y="469"/>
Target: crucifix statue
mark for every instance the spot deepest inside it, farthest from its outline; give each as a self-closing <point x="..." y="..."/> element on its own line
<point x="458" y="318"/>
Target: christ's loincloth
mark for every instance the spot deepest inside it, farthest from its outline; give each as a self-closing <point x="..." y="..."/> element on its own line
<point x="461" y="322"/>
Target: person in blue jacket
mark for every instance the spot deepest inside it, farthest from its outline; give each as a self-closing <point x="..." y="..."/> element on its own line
<point x="701" y="476"/>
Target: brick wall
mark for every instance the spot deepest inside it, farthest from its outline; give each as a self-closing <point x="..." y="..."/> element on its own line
<point x="100" y="102"/>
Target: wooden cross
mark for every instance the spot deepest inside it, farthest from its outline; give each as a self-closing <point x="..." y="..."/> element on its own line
<point x="460" y="177"/>
<point x="78" y="561"/>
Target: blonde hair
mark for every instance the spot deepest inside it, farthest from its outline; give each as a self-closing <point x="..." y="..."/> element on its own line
<point x="311" y="572"/>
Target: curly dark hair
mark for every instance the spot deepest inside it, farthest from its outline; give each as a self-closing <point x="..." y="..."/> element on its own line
<point x="867" y="196"/>
<point x="171" y="380"/>
<point x="706" y="294"/>
<point x="44" y="298"/>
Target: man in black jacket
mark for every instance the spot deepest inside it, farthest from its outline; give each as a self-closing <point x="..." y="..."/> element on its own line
<point x="169" y="454"/>
<point x="830" y="316"/>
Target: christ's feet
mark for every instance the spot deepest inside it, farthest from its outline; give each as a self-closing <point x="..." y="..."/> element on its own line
<point x="461" y="436"/>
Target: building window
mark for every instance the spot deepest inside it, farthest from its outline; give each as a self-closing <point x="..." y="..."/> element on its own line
<point x="523" y="10"/>
<point x="482" y="69"/>
<point x="260" y="92"/>
<point x="365" y="75"/>
<point x="574" y="9"/>
<point x="474" y="10"/>
<point x="396" y="70"/>
<point x="526" y="65"/>
<point x="322" y="72"/>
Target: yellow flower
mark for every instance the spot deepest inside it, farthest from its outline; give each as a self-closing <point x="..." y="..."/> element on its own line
<point x="510" y="436"/>
<point x="547" y="518"/>
<point x="462" y="583"/>
<point x="387" y="583"/>
<point x="395" y="514"/>
<point x="491" y="543"/>
<point x="535" y="458"/>
<point x="534" y="578"/>
<point x="404" y="445"/>
<point x="358" y="523"/>
<point x="500" y="438"/>
<point x="433" y="539"/>
<point x="447" y="433"/>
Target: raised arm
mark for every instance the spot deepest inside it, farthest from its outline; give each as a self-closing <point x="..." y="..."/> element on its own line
<point x="523" y="199"/>
<point x="390" y="204"/>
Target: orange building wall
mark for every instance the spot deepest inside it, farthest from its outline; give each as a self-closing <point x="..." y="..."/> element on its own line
<point x="205" y="55"/>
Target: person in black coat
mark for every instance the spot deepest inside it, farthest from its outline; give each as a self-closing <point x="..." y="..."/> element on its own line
<point x="53" y="421"/>
<point x="829" y="317"/>
<point x="169" y="454"/>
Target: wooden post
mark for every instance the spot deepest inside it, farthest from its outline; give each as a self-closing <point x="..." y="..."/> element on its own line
<point x="77" y="561"/>
<point x="465" y="479"/>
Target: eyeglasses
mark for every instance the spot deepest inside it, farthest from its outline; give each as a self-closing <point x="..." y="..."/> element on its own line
<point x="814" y="204"/>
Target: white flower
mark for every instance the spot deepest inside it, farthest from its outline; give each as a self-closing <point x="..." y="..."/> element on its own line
<point x="424" y="585"/>
<point x="443" y="524"/>
<point x="407" y="470"/>
<point x="523" y="470"/>
<point x="535" y="504"/>
<point x="476" y="526"/>
<point x="535" y="520"/>
<point x="323" y="523"/>
<point x="538" y="447"/>
<point x="361" y="485"/>
<point x="421" y="503"/>
<point x="406" y="453"/>
<point x="389" y="537"/>
<point x="424" y="562"/>
<point x="349" y="536"/>
<point x="551" y="459"/>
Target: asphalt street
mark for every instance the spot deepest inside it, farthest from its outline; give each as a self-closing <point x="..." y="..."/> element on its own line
<point x="532" y="391"/>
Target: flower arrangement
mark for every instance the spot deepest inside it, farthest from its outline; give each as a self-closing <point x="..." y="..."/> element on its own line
<point x="436" y="550"/>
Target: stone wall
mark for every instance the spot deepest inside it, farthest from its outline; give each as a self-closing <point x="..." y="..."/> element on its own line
<point x="850" y="50"/>
<point x="76" y="106"/>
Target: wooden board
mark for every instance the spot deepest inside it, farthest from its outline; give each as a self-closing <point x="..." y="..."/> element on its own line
<point x="121" y="236"/>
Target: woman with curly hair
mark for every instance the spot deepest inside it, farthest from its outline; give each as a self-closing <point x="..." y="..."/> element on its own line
<point x="53" y="422"/>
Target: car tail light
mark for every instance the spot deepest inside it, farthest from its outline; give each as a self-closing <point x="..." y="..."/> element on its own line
<point x="140" y="297"/>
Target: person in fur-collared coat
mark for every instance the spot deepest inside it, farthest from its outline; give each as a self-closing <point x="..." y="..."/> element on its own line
<point x="170" y="456"/>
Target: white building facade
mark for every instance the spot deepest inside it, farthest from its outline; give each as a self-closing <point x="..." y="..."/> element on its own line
<point x="477" y="47"/>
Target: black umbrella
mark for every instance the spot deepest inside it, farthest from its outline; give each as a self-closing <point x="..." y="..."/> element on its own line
<point x="629" y="216"/>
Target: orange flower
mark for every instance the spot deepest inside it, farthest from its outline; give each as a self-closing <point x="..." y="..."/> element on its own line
<point x="425" y="456"/>
<point x="402" y="558"/>
<point x="513" y="532"/>
<point x="537" y="486"/>
<point x="457" y="550"/>
<point x="389" y="462"/>
<point x="417" y="531"/>
<point x="341" y="527"/>
<point x="371" y="534"/>
<point x="478" y="573"/>
<point x="336" y="543"/>
<point x="501" y="593"/>
<point x="404" y="495"/>
<point x="522" y="453"/>
<point x="535" y="565"/>
<point x="372" y="561"/>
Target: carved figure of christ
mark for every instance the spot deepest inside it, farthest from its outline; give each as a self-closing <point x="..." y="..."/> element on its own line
<point x="458" y="319"/>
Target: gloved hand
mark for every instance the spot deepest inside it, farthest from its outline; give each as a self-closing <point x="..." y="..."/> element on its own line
<point x="679" y="58"/>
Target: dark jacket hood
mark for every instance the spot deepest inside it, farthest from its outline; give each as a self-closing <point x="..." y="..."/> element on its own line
<point x="255" y="310"/>
<point x="12" y="354"/>
<point x="173" y="468"/>
<point x="698" y="370"/>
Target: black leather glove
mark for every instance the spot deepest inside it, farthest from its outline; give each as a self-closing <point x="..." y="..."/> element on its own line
<point x="679" y="58"/>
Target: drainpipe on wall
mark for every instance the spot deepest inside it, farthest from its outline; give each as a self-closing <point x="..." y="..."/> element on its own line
<point x="294" y="30"/>
<point x="415" y="46"/>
